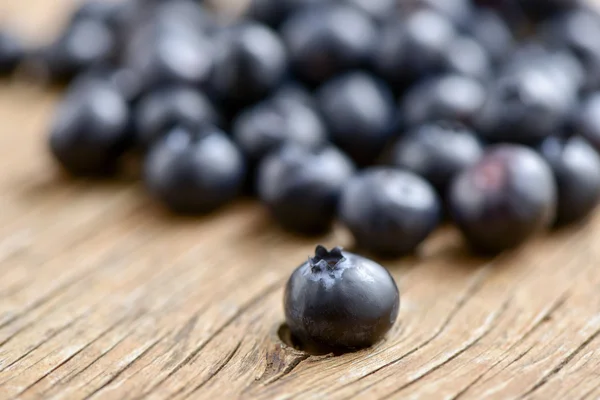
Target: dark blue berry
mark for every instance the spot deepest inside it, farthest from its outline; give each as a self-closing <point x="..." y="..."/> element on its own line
<point x="329" y="39"/>
<point x="301" y="186"/>
<point x="340" y="301"/>
<point x="91" y="129"/>
<point x="576" y="167"/>
<point x="280" y="120"/>
<point x="587" y="119"/>
<point x="275" y="12"/>
<point x="525" y="107"/>
<point x="437" y="152"/>
<point x="390" y="212"/>
<point x="412" y="47"/>
<point x="359" y="113"/>
<point x="250" y="63"/>
<point x="448" y="97"/>
<point x="160" y="110"/>
<point x="504" y="199"/>
<point x="194" y="172"/>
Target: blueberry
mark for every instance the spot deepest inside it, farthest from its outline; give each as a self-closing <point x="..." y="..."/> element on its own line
<point x="160" y="110"/>
<point x="339" y="300"/>
<point x="459" y="12"/>
<point x="359" y="112"/>
<point x="492" y="32"/>
<point x="12" y="52"/>
<point x="170" y="56"/>
<point x="378" y="10"/>
<point x="272" y="123"/>
<point x="390" y="212"/>
<point x="301" y="186"/>
<point x="91" y="129"/>
<point x="329" y="39"/>
<point x="437" y="152"/>
<point x="275" y="12"/>
<point x="538" y="10"/>
<point x="587" y="119"/>
<point x="85" y="44"/>
<point x="576" y="167"/>
<point x="194" y="171"/>
<point x="412" y="47"/>
<point x="448" y="97"/>
<point x="504" y="199"/>
<point x="250" y="63"/>
<point x="465" y="56"/>
<point x="124" y="80"/>
<point x="576" y="31"/>
<point x="525" y="107"/>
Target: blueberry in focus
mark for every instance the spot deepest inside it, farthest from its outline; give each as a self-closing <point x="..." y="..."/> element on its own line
<point x="160" y="110"/>
<point x="301" y="186"/>
<point x="437" y="152"/>
<point x="576" y="167"/>
<point x="446" y="97"/>
<point x="250" y="63"/>
<point x="340" y="301"/>
<point x="194" y="171"/>
<point x="12" y="52"/>
<point x="270" y="124"/>
<point x="90" y="130"/>
<point x="504" y="199"/>
<point x="359" y="112"/>
<point x="390" y="212"/>
<point x="412" y="47"/>
<point x="329" y="39"/>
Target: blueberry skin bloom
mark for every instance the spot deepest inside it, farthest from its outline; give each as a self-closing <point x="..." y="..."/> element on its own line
<point x="194" y="171"/>
<point x="576" y="167"/>
<point x="390" y="212"/>
<point x="359" y="112"/>
<point x="504" y="199"/>
<point x="339" y="300"/>
<point x="91" y="129"/>
<point x="301" y="186"/>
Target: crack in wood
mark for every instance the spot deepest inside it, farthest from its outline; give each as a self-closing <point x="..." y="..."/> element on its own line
<point x="214" y="373"/>
<point x="485" y="330"/>
<point x="68" y="359"/>
<point x="561" y="365"/>
<point x="194" y="353"/>
<point x="115" y="376"/>
<point x="539" y="322"/>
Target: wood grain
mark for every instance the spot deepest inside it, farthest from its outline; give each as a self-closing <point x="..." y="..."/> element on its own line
<point x="104" y="296"/>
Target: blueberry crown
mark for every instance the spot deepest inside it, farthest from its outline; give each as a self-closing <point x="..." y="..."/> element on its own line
<point x="326" y="260"/>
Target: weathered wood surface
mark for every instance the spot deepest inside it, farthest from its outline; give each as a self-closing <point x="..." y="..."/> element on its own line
<point x="104" y="296"/>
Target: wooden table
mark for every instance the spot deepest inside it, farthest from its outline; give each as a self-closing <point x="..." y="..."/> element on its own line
<point x="102" y="295"/>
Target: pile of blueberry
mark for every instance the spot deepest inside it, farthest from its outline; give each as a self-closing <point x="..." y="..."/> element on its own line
<point x="384" y="115"/>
